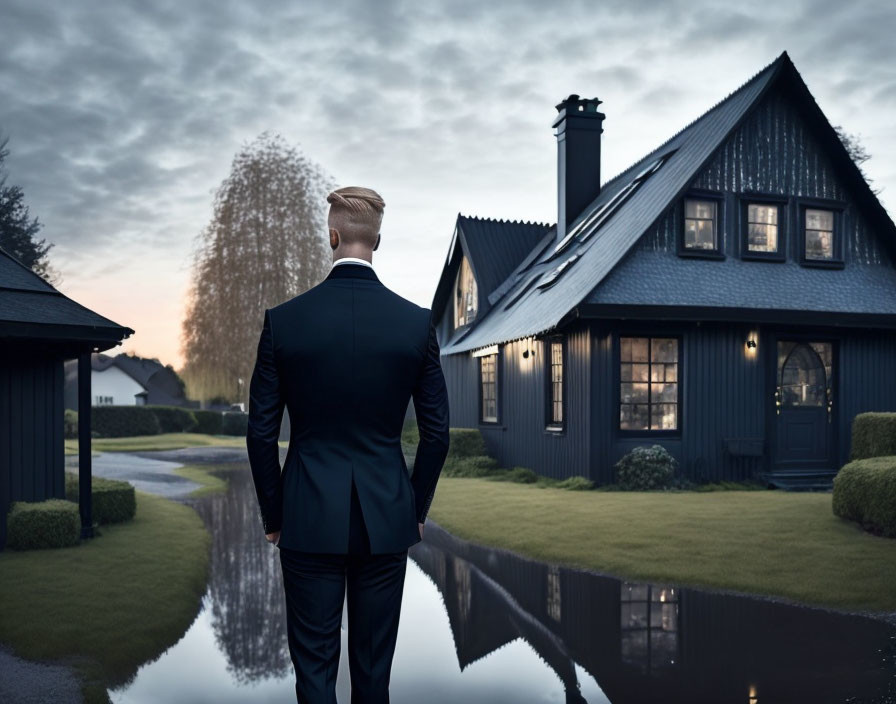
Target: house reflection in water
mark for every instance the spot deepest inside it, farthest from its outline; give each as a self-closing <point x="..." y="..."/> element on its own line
<point x="655" y="642"/>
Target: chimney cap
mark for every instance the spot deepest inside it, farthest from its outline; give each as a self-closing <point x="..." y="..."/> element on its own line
<point x="580" y="105"/>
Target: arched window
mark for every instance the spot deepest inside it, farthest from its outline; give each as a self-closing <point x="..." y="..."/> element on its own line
<point x="466" y="298"/>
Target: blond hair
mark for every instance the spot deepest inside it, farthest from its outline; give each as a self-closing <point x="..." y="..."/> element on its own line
<point x="357" y="214"/>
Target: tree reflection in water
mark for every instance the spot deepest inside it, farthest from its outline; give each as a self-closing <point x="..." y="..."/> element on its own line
<point x="245" y="585"/>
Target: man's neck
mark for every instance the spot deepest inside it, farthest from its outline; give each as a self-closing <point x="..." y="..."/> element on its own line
<point x="352" y="260"/>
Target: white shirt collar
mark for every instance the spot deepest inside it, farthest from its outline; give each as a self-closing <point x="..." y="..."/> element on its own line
<point x="352" y="260"/>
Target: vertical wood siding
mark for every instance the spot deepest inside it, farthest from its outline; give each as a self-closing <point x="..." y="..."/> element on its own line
<point x="31" y="429"/>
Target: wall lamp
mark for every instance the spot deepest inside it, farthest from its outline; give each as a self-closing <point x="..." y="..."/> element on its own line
<point x="529" y="348"/>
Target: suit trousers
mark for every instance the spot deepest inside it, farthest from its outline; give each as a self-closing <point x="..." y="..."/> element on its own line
<point x="316" y="586"/>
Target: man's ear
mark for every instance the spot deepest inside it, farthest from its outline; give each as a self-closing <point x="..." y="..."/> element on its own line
<point x="377" y="241"/>
<point x="334" y="238"/>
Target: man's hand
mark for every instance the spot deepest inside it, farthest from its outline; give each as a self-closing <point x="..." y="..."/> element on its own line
<point x="273" y="537"/>
<point x="420" y="527"/>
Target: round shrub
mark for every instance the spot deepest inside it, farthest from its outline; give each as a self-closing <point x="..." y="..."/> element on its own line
<point x="53" y="523"/>
<point x="112" y="500"/>
<point x="70" y="423"/>
<point x="873" y="435"/>
<point x="865" y="492"/>
<point x="235" y="423"/>
<point x="174" y="419"/>
<point x="576" y="483"/>
<point x="124" y="421"/>
<point x="208" y="422"/>
<point x="646" y="468"/>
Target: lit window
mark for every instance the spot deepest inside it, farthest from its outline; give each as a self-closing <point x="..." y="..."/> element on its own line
<point x="555" y="384"/>
<point x="762" y="227"/>
<point x="488" y="371"/>
<point x="819" y="234"/>
<point x="648" y="394"/>
<point x="466" y="300"/>
<point x="700" y="224"/>
<point x="648" y="625"/>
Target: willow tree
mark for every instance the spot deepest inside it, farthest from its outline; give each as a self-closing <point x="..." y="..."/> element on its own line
<point x="266" y="243"/>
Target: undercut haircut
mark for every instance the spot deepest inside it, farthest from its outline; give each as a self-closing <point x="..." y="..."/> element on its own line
<point x="357" y="214"/>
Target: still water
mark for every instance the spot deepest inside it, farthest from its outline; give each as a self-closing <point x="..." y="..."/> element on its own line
<point x="480" y="625"/>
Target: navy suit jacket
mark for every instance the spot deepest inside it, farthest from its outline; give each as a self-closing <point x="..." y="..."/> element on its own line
<point x="345" y="358"/>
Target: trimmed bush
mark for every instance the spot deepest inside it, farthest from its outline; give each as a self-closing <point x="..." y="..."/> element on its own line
<point x="208" y="422"/>
<point x="576" y="483"/>
<point x="53" y="523"/>
<point x="174" y="419"/>
<point x="124" y="421"/>
<point x="235" y="423"/>
<point x="646" y="468"/>
<point x="477" y="466"/>
<point x="466" y="442"/>
<point x="70" y="424"/>
<point x="113" y="501"/>
<point x="865" y="492"/>
<point x="873" y="435"/>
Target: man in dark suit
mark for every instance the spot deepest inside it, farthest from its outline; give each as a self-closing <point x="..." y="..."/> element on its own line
<point x="346" y="357"/>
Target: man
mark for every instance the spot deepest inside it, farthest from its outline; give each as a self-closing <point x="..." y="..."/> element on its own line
<point x="345" y="358"/>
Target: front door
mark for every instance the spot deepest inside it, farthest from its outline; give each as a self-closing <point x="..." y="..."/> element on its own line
<point x="804" y="404"/>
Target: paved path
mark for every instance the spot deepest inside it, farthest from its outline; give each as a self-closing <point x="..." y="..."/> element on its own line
<point x="153" y="471"/>
<point x="25" y="682"/>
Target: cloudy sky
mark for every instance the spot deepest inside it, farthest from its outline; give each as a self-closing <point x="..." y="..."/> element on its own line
<point x="123" y="117"/>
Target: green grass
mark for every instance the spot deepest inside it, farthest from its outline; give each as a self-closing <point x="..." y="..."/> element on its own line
<point x="111" y="603"/>
<point x="164" y="441"/>
<point x="782" y="544"/>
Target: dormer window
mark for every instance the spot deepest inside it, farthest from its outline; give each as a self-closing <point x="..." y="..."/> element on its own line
<point x="700" y="230"/>
<point x="701" y="234"/>
<point x="821" y="229"/>
<point x="466" y="297"/>
<point x="763" y="226"/>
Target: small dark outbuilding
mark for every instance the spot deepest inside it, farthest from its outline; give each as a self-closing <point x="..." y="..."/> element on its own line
<point x="39" y="329"/>
<point x="731" y="296"/>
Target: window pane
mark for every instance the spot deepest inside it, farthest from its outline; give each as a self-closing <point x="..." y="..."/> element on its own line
<point x="762" y="238"/>
<point x="664" y="416"/>
<point x="663" y="349"/>
<point x="819" y="219"/>
<point x="762" y="214"/>
<point x="819" y="244"/>
<point x="639" y="349"/>
<point x="703" y="209"/>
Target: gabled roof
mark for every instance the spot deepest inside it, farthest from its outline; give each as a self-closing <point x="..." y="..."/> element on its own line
<point x="31" y="307"/>
<point x="539" y="294"/>
<point x="494" y="248"/>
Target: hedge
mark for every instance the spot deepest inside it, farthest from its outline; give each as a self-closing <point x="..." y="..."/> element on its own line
<point x="174" y="419"/>
<point x="113" y="501"/>
<point x="124" y="421"/>
<point x="53" y="523"/>
<point x="70" y="423"/>
<point x="873" y="435"/>
<point x="235" y="423"/>
<point x="208" y="422"/>
<point x="865" y="492"/>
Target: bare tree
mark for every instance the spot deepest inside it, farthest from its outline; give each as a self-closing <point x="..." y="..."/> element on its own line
<point x="266" y="243"/>
<point x="857" y="152"/>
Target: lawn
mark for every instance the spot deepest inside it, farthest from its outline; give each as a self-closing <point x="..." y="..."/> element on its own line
<point x="111" y="603"/>
<point x="164" y="441"/>
<point x="783" y="544"/>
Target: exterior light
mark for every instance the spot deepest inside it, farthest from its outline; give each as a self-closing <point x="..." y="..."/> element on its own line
<point x="751" y="344"/>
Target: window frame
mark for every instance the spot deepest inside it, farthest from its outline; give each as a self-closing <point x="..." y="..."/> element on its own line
<point x="748" y="198"/>
<point x="718" y="230"/>
<point x="550" y="425"/>
<point x="454" y="289"/>
<point x="839" y="223"/>
<point x="497" y="419"/>
<point x="617" y="375"/>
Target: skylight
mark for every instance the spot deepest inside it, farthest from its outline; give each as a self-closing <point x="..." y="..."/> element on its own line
<point x="555" y="273"/>
<point x="595" y="220"/>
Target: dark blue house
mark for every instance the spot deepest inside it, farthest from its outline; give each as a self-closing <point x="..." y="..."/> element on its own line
<point x="730" y="296"/>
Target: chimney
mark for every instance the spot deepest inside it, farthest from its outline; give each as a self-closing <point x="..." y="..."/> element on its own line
<point x="579" y="126"/>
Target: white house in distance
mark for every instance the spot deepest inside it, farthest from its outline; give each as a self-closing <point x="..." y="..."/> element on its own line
<point x="125" y="380"/>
